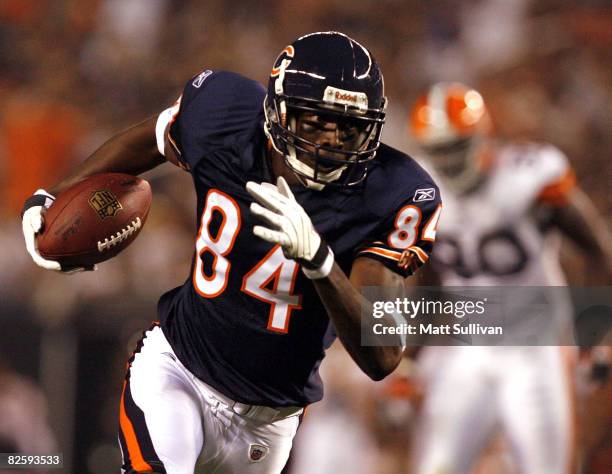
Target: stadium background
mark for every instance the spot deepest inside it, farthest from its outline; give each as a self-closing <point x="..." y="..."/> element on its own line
<point x="73" y="72"/>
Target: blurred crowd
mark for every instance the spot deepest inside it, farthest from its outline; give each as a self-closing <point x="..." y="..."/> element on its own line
<point x="73" y="72"/>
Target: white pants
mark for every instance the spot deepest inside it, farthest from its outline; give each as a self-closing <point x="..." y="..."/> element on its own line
<point x="170" y="421"/>
<point x="471" y="392"/>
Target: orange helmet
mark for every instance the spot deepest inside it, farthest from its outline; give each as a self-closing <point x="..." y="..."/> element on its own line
<point x="450" y="123"/>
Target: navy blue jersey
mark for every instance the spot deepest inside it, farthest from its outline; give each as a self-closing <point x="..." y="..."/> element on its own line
<point x="247" y="321"/>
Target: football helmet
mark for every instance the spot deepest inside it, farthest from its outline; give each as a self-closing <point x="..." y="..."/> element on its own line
<point x="451" y="124"/>
<point x="336" y="80"/>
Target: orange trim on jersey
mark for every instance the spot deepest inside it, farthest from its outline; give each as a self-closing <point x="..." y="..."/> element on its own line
<point x="557" y="192"/>
<point x="134" y="451"/>
<point x="382" y="252"/>
<point x="419" y="252"/>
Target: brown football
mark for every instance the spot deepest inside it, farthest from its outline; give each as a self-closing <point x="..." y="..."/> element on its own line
<point x="95" y="219"/>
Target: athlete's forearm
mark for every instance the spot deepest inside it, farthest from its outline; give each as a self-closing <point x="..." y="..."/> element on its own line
<point x="580" y="221"/>
<point x="344" y="305"/>
<point x="132" y="151"/>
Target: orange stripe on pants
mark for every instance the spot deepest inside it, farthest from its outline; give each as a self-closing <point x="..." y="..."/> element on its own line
<point x="134" y="451"/>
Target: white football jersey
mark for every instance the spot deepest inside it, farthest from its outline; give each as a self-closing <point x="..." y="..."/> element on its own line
<point x="492" y="236"/>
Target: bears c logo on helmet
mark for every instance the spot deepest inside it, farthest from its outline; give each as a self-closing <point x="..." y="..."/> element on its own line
<point x="283" y="60"/>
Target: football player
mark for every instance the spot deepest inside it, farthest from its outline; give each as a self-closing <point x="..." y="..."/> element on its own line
<point x="503" y="202"/>
<point x="24" y="427"/>
<point x="299" y="206"/>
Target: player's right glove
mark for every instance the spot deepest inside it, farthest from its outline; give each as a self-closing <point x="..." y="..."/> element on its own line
<point x="32" y="223"/>
<point x="290" y="227"/>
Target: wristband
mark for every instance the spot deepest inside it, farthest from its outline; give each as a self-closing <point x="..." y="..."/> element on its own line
<point x="325" y="259"/>
<point x="39" y="198"/>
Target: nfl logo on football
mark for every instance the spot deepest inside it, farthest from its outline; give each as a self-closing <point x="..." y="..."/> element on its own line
<point x="105" y="203"/>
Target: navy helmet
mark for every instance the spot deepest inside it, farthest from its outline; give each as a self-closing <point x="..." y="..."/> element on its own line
<point x="332" y="76"/>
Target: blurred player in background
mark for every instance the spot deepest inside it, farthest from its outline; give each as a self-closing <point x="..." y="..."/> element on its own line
<point x="24" y="427"/>
<point x="503" y="204"/>
<point x="235" y="358"/>
<point x="368" y="424"/>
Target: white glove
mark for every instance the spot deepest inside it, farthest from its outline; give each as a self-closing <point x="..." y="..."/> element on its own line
<point x="289" y="226"/>
<point x="32" y="223"/>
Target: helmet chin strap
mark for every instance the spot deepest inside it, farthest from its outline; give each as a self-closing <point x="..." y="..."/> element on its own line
<point x="310" y="184"/>
<point x="306" y="173"/>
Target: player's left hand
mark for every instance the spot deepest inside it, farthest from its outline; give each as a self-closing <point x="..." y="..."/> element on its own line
<point x="290" y="227"/>
<point x="32" y="223"/>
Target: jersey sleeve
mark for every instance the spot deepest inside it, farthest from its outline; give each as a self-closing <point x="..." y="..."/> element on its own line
<point x="408" y="237"/>
<point x="557" y="176"/>
<point x="216" y="109"/>
<point x="538" y="170"/>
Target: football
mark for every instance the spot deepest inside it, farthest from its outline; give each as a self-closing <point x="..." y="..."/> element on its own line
<point x="95" y="219"/>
